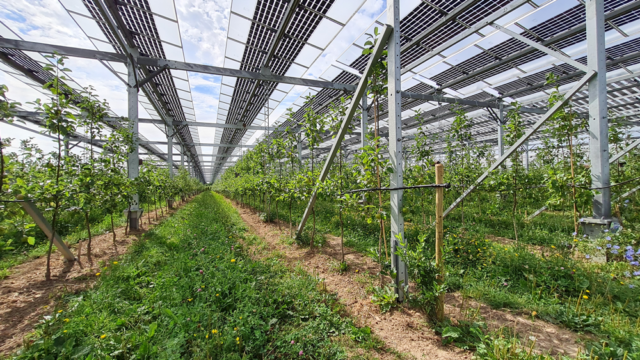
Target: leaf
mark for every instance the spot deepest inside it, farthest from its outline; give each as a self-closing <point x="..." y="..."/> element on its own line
<point x="31" y="240"/>
<point x="451" y="332"/>
<point x="171" y="315"/>
<point x="152" y="329"/>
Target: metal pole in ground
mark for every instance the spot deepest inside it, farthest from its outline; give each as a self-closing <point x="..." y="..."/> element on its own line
<point x="364" y="129"/>
<point x="501" y="131"/>
<point x="439" y="238"/>
<point x="133" y="161"/>
<point x="395" y="147"/>
<point x="170" y="146"/>
<point x="598" y="125"/>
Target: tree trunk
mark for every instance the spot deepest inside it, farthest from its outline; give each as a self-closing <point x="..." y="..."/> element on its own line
<point x="88" y="225"/>
<point x="113" y="230"/>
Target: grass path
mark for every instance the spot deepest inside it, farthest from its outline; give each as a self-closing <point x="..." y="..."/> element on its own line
<point x="188" y="290"/>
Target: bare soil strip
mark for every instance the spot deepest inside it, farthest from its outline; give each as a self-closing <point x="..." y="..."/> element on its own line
<point x="404" y="329"/>
<point x="25" y="296"/>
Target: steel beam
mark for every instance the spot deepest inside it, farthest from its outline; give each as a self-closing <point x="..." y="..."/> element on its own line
<point x="624" y="151"/>
<point x="542" y="48"/>
<point x="501" y="131"/>
<point x="142" y="82"/>
<point x="33" y="211"/>
<point x="598" y="120"/>
<point x="170" y="133"/>
<point x="177" y="65"/>
<point x="197" y="144"/>
<point x="523" y="139"/>
<point x="133" y="159"/>
<point x="465" y="34"/>
<point x="355" y="100"/>
<point x="457" y="11"/>
<point x="450" y="100"/>
<point x="622" y="10"/>
<point x="398" y="242"/>
<point x="364" y="123"/>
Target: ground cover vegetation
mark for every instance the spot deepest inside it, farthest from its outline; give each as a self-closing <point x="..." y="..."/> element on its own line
<point x="189" y="290"/>
<point x="78" y="194"/>
<point x="494" y="251"/>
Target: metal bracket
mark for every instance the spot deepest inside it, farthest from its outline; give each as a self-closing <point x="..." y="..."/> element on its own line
<point x="142" y="82"/>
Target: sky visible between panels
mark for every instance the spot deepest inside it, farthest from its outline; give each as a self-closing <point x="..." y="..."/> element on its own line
<point x="463" y="69"/>
<point x="155" y="30"/>
<point x="34" y="63"/>
<point x="251" y="31"/>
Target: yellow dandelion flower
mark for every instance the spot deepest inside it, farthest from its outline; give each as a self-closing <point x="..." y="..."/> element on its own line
<point x="588" y="291"/>
<point x="217" y="294"/>
<point x="516" y="254"/>
<point x="97" y="274"/>
<point x="233" y="260"/>
<point x="66" y="320"/>
<point x="65" y="331"/>
<point x="59" y="311"/>
<point x="621" y="283"/>
<point x="189" y="299"/>
<point x="115" y="263"/>
<point x="194" y="335"/>
<point x="585" y="297"/>
<point x="534" y="313"/>
<point x="103" y="336"/>
<point x="207" y="336"/>
<point x="240" y="317"/>
<point x="237" y="339"/>
<point x="235" y="329"/>
<point x="214" y="331"/>
<point x="553" y="247"/>
<point x="202" y="286"/>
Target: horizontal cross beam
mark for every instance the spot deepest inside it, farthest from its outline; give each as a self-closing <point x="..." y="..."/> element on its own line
<point x="483" y="104"/>
<point x="171" y="64"/>
<point x="196" y="144"/>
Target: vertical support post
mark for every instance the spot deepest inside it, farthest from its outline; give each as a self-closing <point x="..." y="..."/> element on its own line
<point x="395" y="147"/>
<point x="439" y="238"/>
<point x="598" y="125"/>
<point x="501" y="132"/>
<point x="181" y="156"/>
<point x="364" y="129"/>
<point x="526" y="156"/>
<point x="300" y="151"/>
<point x="170" y="146"/>
<point x="65" y="141"/>
<point x="133" y="160"/>
<point x="364" y="122"/>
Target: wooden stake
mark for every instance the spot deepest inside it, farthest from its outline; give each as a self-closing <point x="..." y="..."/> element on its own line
<point x="439" y="233"/>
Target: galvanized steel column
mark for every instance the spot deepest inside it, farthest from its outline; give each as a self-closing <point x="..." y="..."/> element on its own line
<point x="170" y="146"/>
<point x="364" y="122"/>
<point x="598" y="125"/>
<point x="395" y="146"/>
<point x="501" y="131"/>
<point x="181" y="156"/>
<point x="133" y="160"/>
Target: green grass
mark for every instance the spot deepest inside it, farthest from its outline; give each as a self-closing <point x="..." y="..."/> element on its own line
<point x="188" y="290"/>
<point x="26" y="252"/>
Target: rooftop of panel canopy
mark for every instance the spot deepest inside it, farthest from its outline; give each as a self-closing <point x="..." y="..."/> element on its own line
<point x="449" y="48"/>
